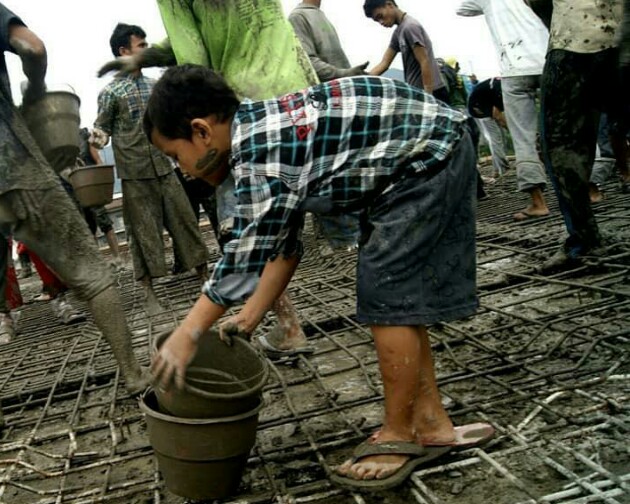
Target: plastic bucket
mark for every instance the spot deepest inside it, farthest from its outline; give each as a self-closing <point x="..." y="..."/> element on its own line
<point x="200" y="458"/>
<point x="221" y="380"/>
<point x="93" y="185"/>
<point x="54" y="123"/>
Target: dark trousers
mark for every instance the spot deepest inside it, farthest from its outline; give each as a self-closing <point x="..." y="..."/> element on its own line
<point x="576" y="88"/>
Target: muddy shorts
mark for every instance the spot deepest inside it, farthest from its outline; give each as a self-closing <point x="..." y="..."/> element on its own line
<point x="416" y="263"/>
<point x="48" y="222"/>
<point x="98" y="218"/>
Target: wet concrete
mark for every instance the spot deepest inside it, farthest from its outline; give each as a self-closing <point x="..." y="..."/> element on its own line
<point x="545" y="360"/>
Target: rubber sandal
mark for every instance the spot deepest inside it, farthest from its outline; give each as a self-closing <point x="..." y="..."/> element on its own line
<point x="419" y="455"/>
<point x="467" y="436"/>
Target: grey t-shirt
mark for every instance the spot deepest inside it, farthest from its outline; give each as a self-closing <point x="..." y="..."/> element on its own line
<point x="408" y="34"/>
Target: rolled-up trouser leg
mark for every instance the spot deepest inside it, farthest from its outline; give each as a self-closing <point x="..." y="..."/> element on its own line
<point x="519" y="100"/>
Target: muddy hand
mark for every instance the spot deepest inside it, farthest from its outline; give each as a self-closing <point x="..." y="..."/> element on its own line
<point x="123" y="65"/>
<point x="170" y="362"/>
<point x="356" y="70"/>
<point x="233" y="327"/>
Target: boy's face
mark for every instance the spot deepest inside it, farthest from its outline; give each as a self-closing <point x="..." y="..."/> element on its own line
<point x="385" y="15"/>
<point x="204" y="156"/>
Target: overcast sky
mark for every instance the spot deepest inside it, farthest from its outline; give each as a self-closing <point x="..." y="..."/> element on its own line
<point x="76" y="34"/>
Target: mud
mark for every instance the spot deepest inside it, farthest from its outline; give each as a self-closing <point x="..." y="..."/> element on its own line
<point x="544" y="360"/>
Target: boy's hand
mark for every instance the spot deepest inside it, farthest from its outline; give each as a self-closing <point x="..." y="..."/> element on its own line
<point x="98" y="138"/>
<point x="234" y="326"/>
<point x="173" y="357"/>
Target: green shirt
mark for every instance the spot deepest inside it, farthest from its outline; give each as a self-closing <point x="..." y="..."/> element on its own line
<point x="249" y="42"/>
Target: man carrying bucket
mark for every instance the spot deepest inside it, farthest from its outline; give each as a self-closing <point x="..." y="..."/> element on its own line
<point x="36" y="210"/>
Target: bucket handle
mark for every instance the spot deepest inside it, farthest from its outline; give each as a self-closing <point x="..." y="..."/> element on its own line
<point x="212" y="382"/>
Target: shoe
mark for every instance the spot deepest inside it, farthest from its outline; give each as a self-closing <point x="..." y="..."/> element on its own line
<point x="64" y="311"/>
<point x="7" y="329"/>
<point x="559" y="261"/>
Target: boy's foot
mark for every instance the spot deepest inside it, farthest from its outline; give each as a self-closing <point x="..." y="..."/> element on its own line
<point x="594" y="193"/>
<point x="202" y="272"/>
<point x="379" y="465"/>
<point x="279" y="343"/>
<point x="530" y="213"/>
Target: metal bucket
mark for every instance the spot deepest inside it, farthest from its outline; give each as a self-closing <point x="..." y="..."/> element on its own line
<point x="200" y="458"/>
<point x="93" y="185"/>
<point x="54" y="122"/>
<point x="220" y="381"/>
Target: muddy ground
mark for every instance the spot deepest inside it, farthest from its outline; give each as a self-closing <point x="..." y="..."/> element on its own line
<point x="545" y="361"/>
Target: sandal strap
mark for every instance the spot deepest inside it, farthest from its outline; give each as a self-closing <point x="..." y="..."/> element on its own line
<point x="367" y="449"/>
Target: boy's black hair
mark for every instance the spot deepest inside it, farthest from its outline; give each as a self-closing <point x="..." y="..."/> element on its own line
<point x="370" y="5"/>
<point x="121" y="37"/>
<point x="184" y="93"/>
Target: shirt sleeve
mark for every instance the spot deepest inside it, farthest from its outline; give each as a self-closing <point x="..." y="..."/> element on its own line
<point x="394" y="45"/>
<point x="469" y="8"/>
<point x="268" y="222"/>
<point x="302" y="28"/>
<point x="414" y="36"/>
<point x="106" y="114"/>
<point x="182" y="29"/>
<point x="7" y="18"/>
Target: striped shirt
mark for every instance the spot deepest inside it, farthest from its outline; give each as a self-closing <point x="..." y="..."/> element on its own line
<point x="328" y="149"/>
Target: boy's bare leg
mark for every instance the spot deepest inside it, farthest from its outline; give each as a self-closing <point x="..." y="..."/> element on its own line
<point x="430" y="419"/>
<point x="399" y="350"/>
<point x="112" y="242"/>
<point x="107" y="310"/>
<point x="290" y="334"/>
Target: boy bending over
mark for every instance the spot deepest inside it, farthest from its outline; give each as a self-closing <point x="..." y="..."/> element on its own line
<point x="364" y="143"/>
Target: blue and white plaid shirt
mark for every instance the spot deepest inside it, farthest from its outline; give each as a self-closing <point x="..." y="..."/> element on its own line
<point x="329" y="149"/>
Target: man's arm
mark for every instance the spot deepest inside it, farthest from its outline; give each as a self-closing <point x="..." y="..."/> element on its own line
<point x="325" y="71"/>
<point x="385" y="63"/>
<point x="423" y="60"/>
<point x="469" y="8"/>
<point x="32" y="52"/>
<point x="543" y="9"/>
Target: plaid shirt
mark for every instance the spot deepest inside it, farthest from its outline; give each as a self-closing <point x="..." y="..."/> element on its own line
<point x="329" y="149"/>
<point x="121" y="106"/>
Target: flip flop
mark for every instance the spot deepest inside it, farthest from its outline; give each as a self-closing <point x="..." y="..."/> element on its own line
<point x="419" y="455"/>
<point x="467" y="436"/>
<point x="523" y="216"/>
<point x="276" y="353"/>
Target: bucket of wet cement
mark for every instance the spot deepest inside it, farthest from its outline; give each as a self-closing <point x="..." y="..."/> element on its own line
<point x="199" y="458"/>
<point x="93" y="185"/>
<point x="54" y="123"/>
<point x="220" y="381"/>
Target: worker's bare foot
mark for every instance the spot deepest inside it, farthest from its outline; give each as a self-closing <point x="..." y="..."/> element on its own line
<point x="138" y="383"/>
<point x="531" y="212"/>
<point x="594" y="193"/>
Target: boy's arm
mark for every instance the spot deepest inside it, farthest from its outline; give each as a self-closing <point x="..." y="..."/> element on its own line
<point x="469" y="8"/>
<point x="385" y="63"/>
<point x="106" y="116"/>
<point x="422" y="58"/>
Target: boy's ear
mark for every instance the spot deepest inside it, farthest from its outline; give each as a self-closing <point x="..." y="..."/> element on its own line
<point x="202" y="129"/>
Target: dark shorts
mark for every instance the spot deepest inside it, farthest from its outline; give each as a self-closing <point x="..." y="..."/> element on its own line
<point x="416" y="263"/>
<point x="98" y="218"/>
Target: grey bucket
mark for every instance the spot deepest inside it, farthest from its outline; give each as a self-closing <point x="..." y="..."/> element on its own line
<point x="54" y="123"/>
<point x="93" y="185"/>
<point x="200" y="458"/>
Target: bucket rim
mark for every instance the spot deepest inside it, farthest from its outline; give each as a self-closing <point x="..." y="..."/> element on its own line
<point x="147" y="410"/>
<point x="263" y="373"/>
<point x="50" y="93"/>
